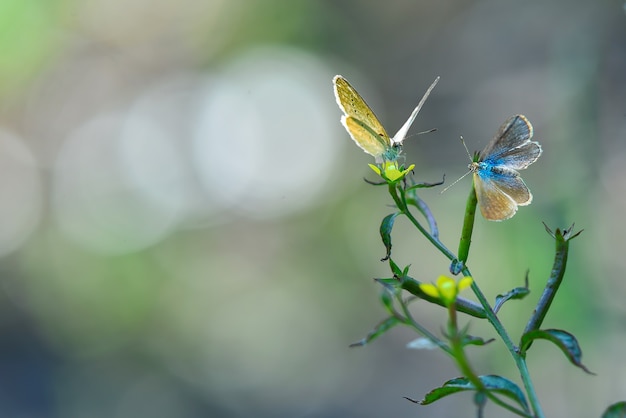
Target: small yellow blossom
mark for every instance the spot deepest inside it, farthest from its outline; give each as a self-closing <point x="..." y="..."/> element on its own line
<point x="446" y="288"/>
<point x="391" y="171"/>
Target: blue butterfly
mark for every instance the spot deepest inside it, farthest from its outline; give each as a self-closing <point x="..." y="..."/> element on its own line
<point x="499" y="187"/>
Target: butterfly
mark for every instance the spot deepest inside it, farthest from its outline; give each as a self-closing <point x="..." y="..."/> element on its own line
<point x="363" y="125"/>
<point x="499" y="187"/>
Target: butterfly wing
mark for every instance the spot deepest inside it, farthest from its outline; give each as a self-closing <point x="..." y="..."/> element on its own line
<point x="518" y="158"/>
<point x="362" y="134"/>
<point x="360" y="121"/>
<point x="401" y="134"/>
<point x="499" y="187"/>
<point x="512" y="146"/>
<point x="499" y="191"/>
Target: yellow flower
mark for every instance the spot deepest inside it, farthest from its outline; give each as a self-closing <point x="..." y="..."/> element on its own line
<point x="446" y="288"/>
<point x="391" y="171"/>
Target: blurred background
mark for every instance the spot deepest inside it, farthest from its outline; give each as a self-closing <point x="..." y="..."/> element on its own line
<point x="184" y="226"/>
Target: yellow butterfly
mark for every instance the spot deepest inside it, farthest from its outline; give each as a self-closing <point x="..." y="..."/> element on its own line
<point x="363" y="125"/>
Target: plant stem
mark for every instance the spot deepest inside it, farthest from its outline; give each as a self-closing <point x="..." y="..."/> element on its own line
<point x="458" y="353"/>
<point x="556" y="277"/>
<point x="491" y="316"/>
<point x="409" y="320"/>
<point x="468" y="226"/>
<point x="401" y="204"/>
<point x="519" y="360"/>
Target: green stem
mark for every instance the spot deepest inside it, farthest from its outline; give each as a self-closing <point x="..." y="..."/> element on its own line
<point x="464" y="245"/>
<point x="408" y="319"/>
<point x="491" y="316"/>
<point x="425" y="211"/>
<point x="556" y="277"/>
<point x="468" y="227"/>
<point x="458" y="354"/>
<point x="519" y="360"/>
<point x="401" y="204"/>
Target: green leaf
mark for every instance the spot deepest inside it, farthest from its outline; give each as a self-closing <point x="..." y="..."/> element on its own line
<point x="462" y="305"/>
<point x="505" y="387"/>
<point x="492" y="383"/>
<point x="380" y="329"/>
<point x="385" y="232"/>
<point x="467" y="339"/>
<point x="390" y="284"/>
<point x="405" y="272"/>
<point x="386" y="297"/>
<point x="564" y="340"/>
<point x="471" y="340"/>
<point x="413" y="199"/>
<point x="567" y="234"/>
<point x="617" y="410"/>
<point x="395" y="269"/>
<point x="517" y="293"/>
<point x="438" y="393"/>
<point x="391" y="287"/>
<point x="426" y="185"/>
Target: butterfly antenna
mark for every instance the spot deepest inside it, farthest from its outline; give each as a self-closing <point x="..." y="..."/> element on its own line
<point x="421" y="133"/>
<point x="463" y="176"/>
<point x="466" y="150"/>
<point x="427" y="132"/>
<point x="456" y="181"/>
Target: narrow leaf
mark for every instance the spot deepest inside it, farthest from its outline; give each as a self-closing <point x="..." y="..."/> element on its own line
<point x="617" y="410"/>
<point x="506" y="387"/>
<point x="375" y="183"/>
<point x="441" y="392"/>
<point x="385" y="232"/>
<point x="492" y="383"/>
<point x="386" y="297"/>
<point x="395" y="269"/>
<point x="517" y="293"/>
<point x="413" y="199"/>
<point x="380" y="329"/>
<point x="405" y="272"/>
<point x="426" y="185"/>
<point x="462" y="305"/>
<point x="562" y="339"/>
<point x="390" y="284"/>
<point x="471" y="340"/>
<point x="467" y="339"/>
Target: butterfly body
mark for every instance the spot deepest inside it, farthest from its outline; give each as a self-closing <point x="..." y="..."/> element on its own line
<point x="499" y="187"/>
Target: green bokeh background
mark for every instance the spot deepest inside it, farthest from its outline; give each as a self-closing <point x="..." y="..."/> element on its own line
<point x="185" y="231"/>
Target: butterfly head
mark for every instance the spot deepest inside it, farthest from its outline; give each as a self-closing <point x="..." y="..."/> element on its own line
<point x="476" y="161"/>
<point x="393" y="153"/>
